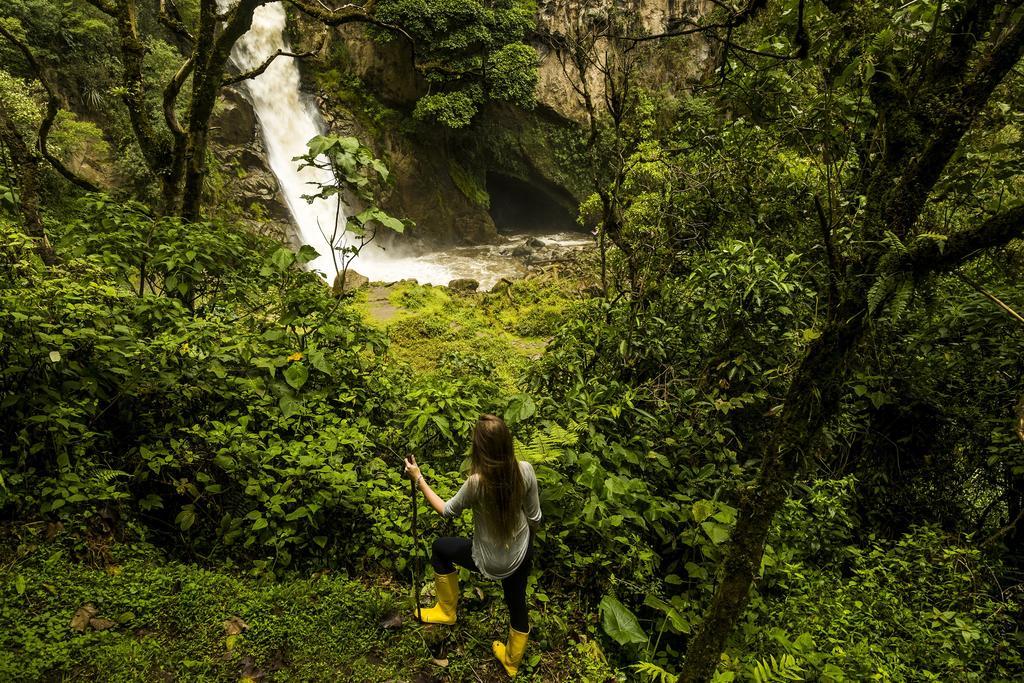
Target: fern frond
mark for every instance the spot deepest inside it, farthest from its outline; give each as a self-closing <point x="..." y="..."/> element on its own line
<point x="785" y="668"/>
<point x="879" y="292"/>
<point x="106" y="475"/>
<point x="901" y="298"/>
<point x="655" y="673"/>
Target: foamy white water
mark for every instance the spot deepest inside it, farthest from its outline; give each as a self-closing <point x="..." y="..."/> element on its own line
<point x="289" y="120"/>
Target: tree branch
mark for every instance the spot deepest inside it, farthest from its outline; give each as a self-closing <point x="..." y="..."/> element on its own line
<point x="253" y="73"/>
<point x="1005" y="307"/>
<point x="52" y="109"/>
<point x="171" y="20"/>
<point x="105" y="6"/>
<point x="935" y="256"/>
<point x="345" y="14"/>
<point x="171" y="97"/>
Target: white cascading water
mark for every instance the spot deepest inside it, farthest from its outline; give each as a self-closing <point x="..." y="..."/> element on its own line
<point x="289" y="120"/>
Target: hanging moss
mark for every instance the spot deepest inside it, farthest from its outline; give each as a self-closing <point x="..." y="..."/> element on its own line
<point x="469" y="185"/>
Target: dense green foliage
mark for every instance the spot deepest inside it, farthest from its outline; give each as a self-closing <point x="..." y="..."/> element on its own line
<point x="193" y="427"/>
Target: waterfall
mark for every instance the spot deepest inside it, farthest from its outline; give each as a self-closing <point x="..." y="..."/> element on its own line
<point x="288" y="120"/>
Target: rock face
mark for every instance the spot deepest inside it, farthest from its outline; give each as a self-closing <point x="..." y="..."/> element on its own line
<point x="249" y="181"/>
<point x="558" y="20"/>
<point x="367" y="88"/>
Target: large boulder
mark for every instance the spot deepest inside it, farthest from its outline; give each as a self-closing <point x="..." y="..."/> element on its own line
<point x="349" y="281"/>
<point x="464" y="285"/>
<point x="233" y="123"/>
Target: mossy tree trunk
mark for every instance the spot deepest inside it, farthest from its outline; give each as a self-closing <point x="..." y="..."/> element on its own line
<point x="921" y="129"/>
<point x="26" y="168"/>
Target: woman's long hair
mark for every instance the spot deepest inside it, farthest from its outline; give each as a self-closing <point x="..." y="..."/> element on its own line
<point x="493" y="459"/>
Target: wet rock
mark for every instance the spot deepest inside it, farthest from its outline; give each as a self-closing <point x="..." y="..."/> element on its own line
<point x="464" y="285"/>
<point x="535" y="243"/>
<point x="522" y="251"/>
<point x="234" y="122"/>
<point x="348" y="281"/>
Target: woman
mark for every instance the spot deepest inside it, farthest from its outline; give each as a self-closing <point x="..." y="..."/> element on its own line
<point x="502" y="493"/>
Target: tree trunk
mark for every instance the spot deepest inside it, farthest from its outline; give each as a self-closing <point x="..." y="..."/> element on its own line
<point x="210" y="61"/>
<point x="811" y="401"/>
<point x="26" y="168"/>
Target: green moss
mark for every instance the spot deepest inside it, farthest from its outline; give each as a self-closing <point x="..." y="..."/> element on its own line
<point x="505" y="330"/>
<point x="469" y="185"/>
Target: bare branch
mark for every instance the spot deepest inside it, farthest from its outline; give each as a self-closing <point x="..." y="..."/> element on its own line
<point x="171" y="97"/>
<point x="1002" y="305"/>
<point x="345" y="14"/>
<point x="253" y="73"/>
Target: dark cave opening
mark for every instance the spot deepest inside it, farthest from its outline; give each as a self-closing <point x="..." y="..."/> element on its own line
<point x="520" y="206"/>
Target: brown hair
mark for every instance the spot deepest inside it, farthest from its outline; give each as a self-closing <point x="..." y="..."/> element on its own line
<point x="493" y="459"/>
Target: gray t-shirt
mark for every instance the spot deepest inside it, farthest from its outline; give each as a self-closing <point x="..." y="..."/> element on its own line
<point x="495" y="558"/>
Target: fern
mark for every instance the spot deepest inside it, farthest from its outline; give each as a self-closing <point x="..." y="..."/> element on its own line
<point x="785" y="668"/>
<point x="550" y="443"/>
<point x="655" y="673"/>
<point x="879" y="292"/>
<point x="900" y="298"/>
<point x="105" y="475"/>
<point x="893" y="287"/>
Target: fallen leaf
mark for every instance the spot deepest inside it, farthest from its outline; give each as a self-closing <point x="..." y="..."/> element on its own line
<point x="234" y="626"/>
<point x="102" y="623"/>
<point x="479" y="593"/>
<point x="83" y="615"/>
<point x="440" y="662"/>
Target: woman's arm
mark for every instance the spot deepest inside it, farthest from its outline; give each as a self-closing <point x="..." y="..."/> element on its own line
<point x="413" y="470"/>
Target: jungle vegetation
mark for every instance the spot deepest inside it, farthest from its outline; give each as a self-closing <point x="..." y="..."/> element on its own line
<point x="777" y="416"/>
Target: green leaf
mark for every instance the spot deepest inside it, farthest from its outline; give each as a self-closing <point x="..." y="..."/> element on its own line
<point x="306" y="254"/>
<point x="296" y="375"/>
<point x="289" y="406"/>
<point x="19" y="584"/>
<point x="282" y="258"/>
<point x="185" y="519"/>
<point x="619" y="623"/>
<point x="718" y="533"/>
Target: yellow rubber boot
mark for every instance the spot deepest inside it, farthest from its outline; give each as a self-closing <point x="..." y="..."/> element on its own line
<point x="511" y="654"/>
<point x="447" y="588"/>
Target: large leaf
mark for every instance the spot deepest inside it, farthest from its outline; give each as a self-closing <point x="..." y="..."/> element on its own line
<point x="619" y="623"/>
<point x="306" y="254"/>
<point x="296" y="375"/>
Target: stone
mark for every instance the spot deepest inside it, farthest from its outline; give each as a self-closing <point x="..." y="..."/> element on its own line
<point x="535" y="243"/>
<point x="464" y="285"/>
<point x="234" y="121"/>
<point x="351" y="282"/>
<point x="522" y="251"/>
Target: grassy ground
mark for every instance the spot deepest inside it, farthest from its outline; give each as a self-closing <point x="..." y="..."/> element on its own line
<point x="506" y="328"/>
<point x="155" y="619"/>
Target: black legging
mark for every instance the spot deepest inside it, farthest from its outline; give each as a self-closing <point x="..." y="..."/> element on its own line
<point x="450" y="550"/>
